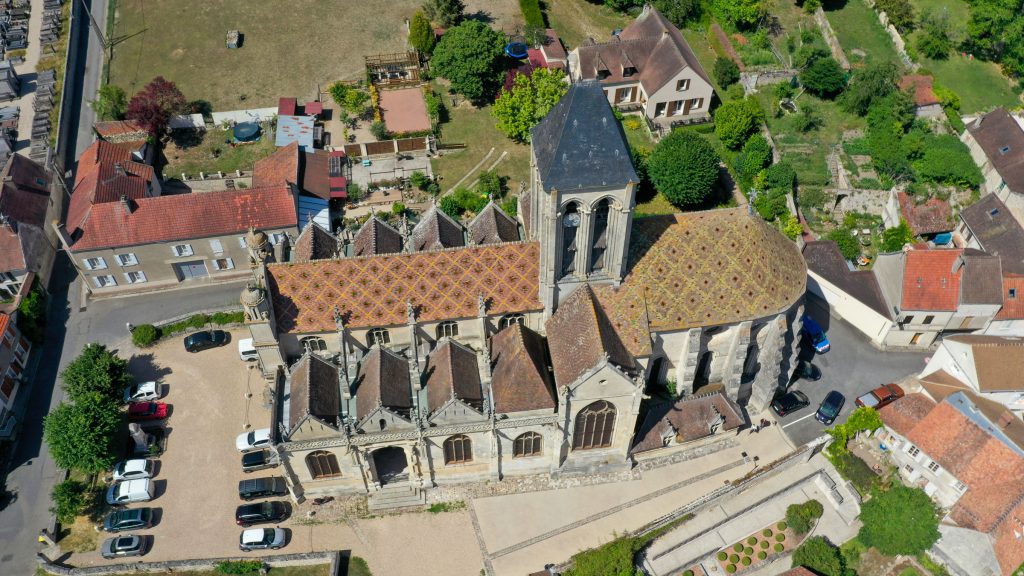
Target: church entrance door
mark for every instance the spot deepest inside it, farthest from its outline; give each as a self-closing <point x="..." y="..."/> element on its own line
<point x="391" y="465"/>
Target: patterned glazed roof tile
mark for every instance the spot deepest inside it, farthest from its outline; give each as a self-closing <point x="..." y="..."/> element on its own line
<point x="579" y="335"/>
<point x="376" y="237"/>
<point x="373" y="291"/>
<point x="315" y="389"/>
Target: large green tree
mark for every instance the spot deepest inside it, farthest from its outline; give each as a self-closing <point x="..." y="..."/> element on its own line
<point x="470" y="57"/>
<point x="936" y="37"/>
<point x="683" y="167"/>
<point x="82" y="435"/>
<point x="901" y="520"/>
<point x="97" y="370"/>
<point x="819" y="555"/>
<point x="742" y="13"/>
<point x="421" y="33"/>
<point x="111" y="103"/>
<point x="824" y="77"/>
<point x="530" y="99"/>
<point x="876" y="80"/>
<point x="447" y="13"/>
<point x="736" y="120"/>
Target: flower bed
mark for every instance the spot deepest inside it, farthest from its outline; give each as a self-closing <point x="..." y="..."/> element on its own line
<point x="757" y="547"/>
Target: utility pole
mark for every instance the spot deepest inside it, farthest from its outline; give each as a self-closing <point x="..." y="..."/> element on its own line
<point x="108" y="45"/>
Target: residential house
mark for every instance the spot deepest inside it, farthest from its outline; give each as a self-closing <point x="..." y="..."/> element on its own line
<point x="926" y="104"/>
<point x="649" y="67"/>
<point x="853" y="295"/>
<point x="988" y="225"/>
<point x="318" y="177"/>
<point x="926" y="218"/>
<point x="27" y="246"/>
<point x="996" y="142"/>
<point x="988" y="365"/>
<point x="129" y="135"/>
<point x="14" y="349"/>
<point x="965" y="452"/>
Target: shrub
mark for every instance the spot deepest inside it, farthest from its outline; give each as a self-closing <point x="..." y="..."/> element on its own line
<point x="781" y="526"/>
<point x="198" y="321"/>
<point x="780" y="537"/>
<point x="632" y="122"/>
<point x="792" y="228"/>
<point x="68" y="499"/>
<point x="752" y="540"/>
<point x="222" y="318"/>
<point x="354" y="192"/>
<point x="850" y="249"/>
<point x="823" y="77"/>
<point x="726" y="71"/>
<point x="421" y="33"/>
<point x="820" y="556"/>
<point x="894" y="238"/>
<point x="934" y="40"/>
<point x="900" y="13"/>
<point x="800" y="516"/>
<point x="683" y="167"/>
<point x="688" y="573"/>
<point x="736" y="120"/>
<point x="764" y="544"/>
<point x="737" y="547"/>
<point x="379" y="130"/>
<point x="32" y="314"/>
<point x="748" y="551"/>
<point x="145" y="335"/>
<point x="756" y="155"/>
<point x="239" y="566"/>
<point x="419" y="180"/>
<point x="731" y="568"/>
<point x="779" y="547"/>
<point x="734" y="558"/>
<point x="745" y="561"/>
<point x="947" y="160"/>
<point x="723" y="555"/>
<point x="762" y="554"/>
<point x="767" y="532"/>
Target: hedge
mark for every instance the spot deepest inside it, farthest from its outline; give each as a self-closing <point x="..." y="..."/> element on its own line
<point x="147" y="334"/>
<point x="532" y="13"/>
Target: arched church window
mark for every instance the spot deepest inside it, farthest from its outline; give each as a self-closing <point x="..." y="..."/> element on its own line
<point x="314" y="344"/>
<point x="458" y="449"/>
<point x="570" y="233"/>
<point x="447" y="329"/>
<point x="600" y="246"/>
<point x="595" y="426"/>
<point x="322" y="464"/>
<point x="528" y="444"/>
<point x="510" y="319"/>
<point x="378" y="336"/>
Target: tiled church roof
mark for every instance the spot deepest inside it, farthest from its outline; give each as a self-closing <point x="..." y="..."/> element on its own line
<point x="314" y="389"/>
<point x="492" y="225"/>
<point x="579" y="334"/>
<point x="519" y="373"/>
<point x="452" y="371"/>
<point x="376" y="237"/>
<point x="315" y="243"/>
<point x="383" y="380"/>
<point x="373" y="291"/>
<point x="437" y="230"/>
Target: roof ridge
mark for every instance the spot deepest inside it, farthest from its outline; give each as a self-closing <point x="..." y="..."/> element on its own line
<point x="413" y="254"/>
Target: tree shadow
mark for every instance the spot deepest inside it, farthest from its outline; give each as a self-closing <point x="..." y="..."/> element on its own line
<point x="480" y="16"/>
<point x="144" y="368"/>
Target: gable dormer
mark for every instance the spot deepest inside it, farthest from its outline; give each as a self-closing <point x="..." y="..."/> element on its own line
<point x="628" y="67"/>
<point x="601" y="70"/>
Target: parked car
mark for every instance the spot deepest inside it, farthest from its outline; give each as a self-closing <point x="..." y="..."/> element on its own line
<point x="246" y="350"/>
<point x="130" y="491"/>
<point x="790" y="402"/>
<point x="199" y="341"/>
<point x="261" y="539"/>
<point x="830" y="407"/>
<point x="142" y="392"/>
<point x="258" y="460"/>
<point x="807" y="371"/>
<point x="134" y="519"/>
<point x="262" y="488"/>
<point x="133" y="469"/>
<point x="123" y="546"/>
<point x="147" y="411"/>
<point x="881" y="396"/>
<point x="249" y="514"/>
<point x="253" y="440"/>
<point x="816" y="335"/>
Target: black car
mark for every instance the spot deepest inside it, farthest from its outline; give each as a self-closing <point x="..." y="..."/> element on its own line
<point x="134" y="519"/>
<point x="258" y="460"/>
<point x="199" y="341"/>
<point x="790" y="402"/>
<point x="262" y="488"/>
<point x="830" y="407"/>
<point x="807" y="371"/>
<point x="249" y="514"/>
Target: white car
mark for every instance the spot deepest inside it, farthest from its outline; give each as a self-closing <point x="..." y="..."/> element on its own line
<point x="130" y="491"/>
<point x="142" y="392"/>
<point x="246" y="350"/>
<point x="253" y="440"/>
<point x="133" y="469"/>
<point x="261" y="539"/>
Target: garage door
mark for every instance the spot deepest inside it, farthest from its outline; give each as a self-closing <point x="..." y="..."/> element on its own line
<point x="191" y="270"/>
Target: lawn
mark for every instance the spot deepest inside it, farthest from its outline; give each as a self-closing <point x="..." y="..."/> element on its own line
<point x="981" y="85"/>
<point x="212" y="154"/>
<point x="639" y="137"/>
<point x="577" y="20"/>
<point x="475" y="127"/>
<point x="285" y="52"/>
<point x="857" y="27"/>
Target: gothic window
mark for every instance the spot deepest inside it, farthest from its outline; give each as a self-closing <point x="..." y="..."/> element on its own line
<point x="597" y="252"/>
<point x="702" y="377"/>
<point x="751" y="365"/>
<point x="528" y="444"/>
<point x="378" y="336"/>
<point x="510" y="319"/>
<point x="447" y="330"/>
<point x="594" y="426"/>
<point x="570" y="230"/>
<point x="322" y="464"/>
<point x="458" y="450"/>
<point x="314" y="344"/>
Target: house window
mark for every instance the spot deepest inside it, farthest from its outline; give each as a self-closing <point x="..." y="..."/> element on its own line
<point x="677" y="108"/>
<point x="528" y="444"/>
<point x="378" y="336"/>
<point x="909" y="469"/>
<point x="933" y="466"/>
<point x="594" y="426"/>
<point x="510" y="319"/>
<point x="1004" y="150"/>
<point x="242" y="243"/>
<point x="314" y="344"/>
<point x="913" y="451"/>
<point x="7" y="276"/>
<point x="128" y="259"/>
<point x="696" y="104"/>
<point x="659" y="109"/>
<point x="458" y="450"/>
<point x="929" y="319"/>
<point x="908" y="320"/>
<point x="97" y="263"/>
<point x="223" y="264"/>
<point x="682" y="85"/>
<point x="135" y="277"/>
<point x="104" y="281"/>
<point x="322" y="464"/>
<point x="447" y="330"/>
<point x="182" y="250"/>
<point x="216" y="247"/>
<point x="916" y="339"/>
<point x="960" y="486"/>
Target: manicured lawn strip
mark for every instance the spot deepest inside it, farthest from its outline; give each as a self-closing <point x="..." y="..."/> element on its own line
<point x="981" y="85"/>
<point x="199" y="158"/>
<point x="475" y="127"/>
<point x="857" y="26"/>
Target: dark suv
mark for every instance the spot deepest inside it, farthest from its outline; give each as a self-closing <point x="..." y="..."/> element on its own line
<point x="205" y="340"/>
<point x="134" y="519"/>
<point x="249" y="514"/>
<point x="830" y="407"/>
<point x="262" y="488"/>
<point x="790" y="402"/>
<point x="258" y="460"/>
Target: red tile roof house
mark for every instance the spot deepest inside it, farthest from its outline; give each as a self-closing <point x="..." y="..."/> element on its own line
<point x="27" y="244"/>
<point x="128" y="135"/>
<point x="969" y="459"/>
<point x="996" y="143"/>
<point x="648" y="67"/>
<point x="124" y="236"/>
<point x="927" y="218"/>
<point x="14" y="349"/>
<point x="926" y="104"/>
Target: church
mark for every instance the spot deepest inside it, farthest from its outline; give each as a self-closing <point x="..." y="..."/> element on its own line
<point x="450" y="352"/>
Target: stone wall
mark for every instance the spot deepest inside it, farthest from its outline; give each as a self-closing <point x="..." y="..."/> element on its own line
<point x="897" y="40"/>
<point x="830" y="38"/>
<point x="306" y="559"/>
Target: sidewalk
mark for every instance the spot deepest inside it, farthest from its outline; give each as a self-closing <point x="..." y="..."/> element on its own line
<point x="520" y="533"/>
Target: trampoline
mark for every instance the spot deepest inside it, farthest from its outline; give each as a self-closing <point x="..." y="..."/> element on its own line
<point x="516" y="49"/>
<point x="247" y="132"/>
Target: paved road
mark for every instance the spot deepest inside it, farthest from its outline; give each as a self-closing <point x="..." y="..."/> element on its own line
<point x="852" y="367"/>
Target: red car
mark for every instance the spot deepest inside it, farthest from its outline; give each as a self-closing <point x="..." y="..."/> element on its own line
<point x="147" y="411"/>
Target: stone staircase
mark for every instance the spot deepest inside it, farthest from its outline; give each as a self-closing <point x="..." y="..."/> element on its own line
<point x="396" y="497"/>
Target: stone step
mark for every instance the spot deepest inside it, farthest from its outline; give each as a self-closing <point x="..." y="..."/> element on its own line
<point x="396" y="497"/>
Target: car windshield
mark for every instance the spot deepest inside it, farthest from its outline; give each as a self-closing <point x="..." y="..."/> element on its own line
<point x="831" y="406"/>
<point x="124" y="542"/>
<point x="119" y="469"/>
<point x="251" y="438"/>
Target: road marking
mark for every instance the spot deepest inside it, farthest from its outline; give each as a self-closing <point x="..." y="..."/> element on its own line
<point x="797" y="420"/>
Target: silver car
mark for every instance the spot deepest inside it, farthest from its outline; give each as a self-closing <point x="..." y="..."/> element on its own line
<point x="261" y="539"/>
<point x="123" y="546"/>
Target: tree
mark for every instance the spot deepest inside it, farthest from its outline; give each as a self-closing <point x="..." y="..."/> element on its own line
<point x="800" y="517"/>
<point x="756" y="155"/>
<point x="824" y="77"/>
<point x="421" y="33"/>
<point x="736" y="120"/>
<point x="741" y="13"/>
<point x="97" y="370"/>
<point x="900" y="13"/>
<point x="110" y="103"/>
<point x="901" y="520"/>
<point x="379" y="130"/>
<point x="894" y="238"/>
<point x="529" y="101"/>
<point x="683" y="167"/>
<point x="876" y="80"/>
<point x="935" y="40"/>
<point x="848" y="245"/>
<point x="68" y="499"/>
<point x="447" y="13"/>
<point x="726" y="71"/>
<point x="819" y="555"/>
<point x="32" y="314"/>
<point x="153" y="106"/>
<point x="947" y="160"/>
<point x="356" y="102"/>
<point x="470" y="57"/>
<point x="82" y="435"/>
<point x="678" y="12"/>
<point x="489" y="184"/>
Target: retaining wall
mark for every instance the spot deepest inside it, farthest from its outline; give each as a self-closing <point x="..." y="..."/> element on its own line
<point x="306" y="559"/>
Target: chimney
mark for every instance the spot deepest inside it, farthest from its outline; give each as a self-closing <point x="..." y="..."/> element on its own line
<point x="977" y="121"/>
<point x="129" y="207"/>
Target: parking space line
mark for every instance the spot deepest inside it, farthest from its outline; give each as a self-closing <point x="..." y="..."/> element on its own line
<point x="797" y="420"/>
